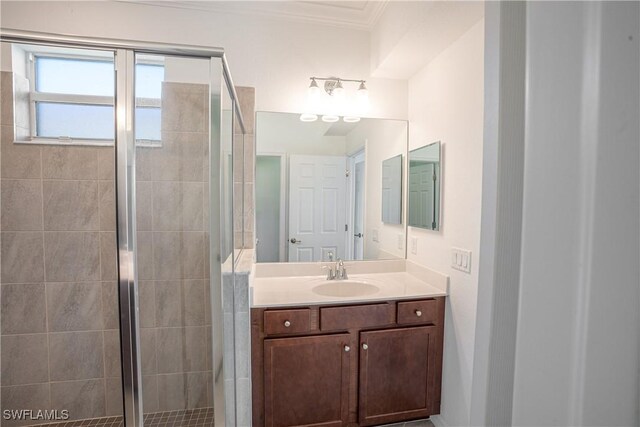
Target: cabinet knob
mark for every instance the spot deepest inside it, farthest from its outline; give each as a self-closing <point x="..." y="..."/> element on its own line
<point x="418" y="313"/>
<point x="365" y="346"/>
<point x="287" y="323"/>
<point x="347" y="348"/>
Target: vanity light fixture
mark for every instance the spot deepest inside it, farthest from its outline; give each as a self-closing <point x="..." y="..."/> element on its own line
<point x="337" y="102"/>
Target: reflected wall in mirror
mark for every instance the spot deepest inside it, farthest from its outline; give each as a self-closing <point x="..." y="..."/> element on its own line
<point x="392" y="190"/>
<point x="424" y="187"/>
<point x="319" y="189"/>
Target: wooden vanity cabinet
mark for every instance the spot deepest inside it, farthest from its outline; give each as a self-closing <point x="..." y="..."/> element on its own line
<point x="347" y="365"/>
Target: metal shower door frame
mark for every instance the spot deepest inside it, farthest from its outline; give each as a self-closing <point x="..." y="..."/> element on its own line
<point x="124" y="51"/>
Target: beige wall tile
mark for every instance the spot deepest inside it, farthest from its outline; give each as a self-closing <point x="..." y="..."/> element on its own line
<point x="194" y="298"/>
<point x="195" y="348"/>
<point x="113" y="398"/>
<point x="249" y="158"/>
<point x="106" y="163"/>
<point x="147" y="296"/>
<point x="72" y="256"/>
<point x="150" y="394"/>
<point x="23" y="308"/>
<point x="144" y="205"/>
<point x="148" y="351"/>
<point x="33" y="396"/>
<point x="170" y="347"/>
<point x="145" y="255"/>
<point x="167" y="260"/>
<point x="167" y="206"/>
<point x="76" y="355"/>
<point x="192" y="206"/>
<point x="107" y="200"/>
<point x="74" y="306"/>
<point x="108" y="256"/>
<point x="192" y="255"/>
<point x="169" y="303"/>
<point x="171" y="395"/>
<point x="83" y="399"/>
<point x="71" y="205"/>
<point x="197" y="396"/>
<point x="64" y="162"/>
<point x="184" y="107"/>
<point x="247" y="100"/>
<point x="112" y="365"/>
<point x="18" y="160"/>
<point x="144" y="167"/>
<point x="180" y="158"/>
<point x="22" y="257"/>
<point x="21" y="205"/>
<point x="110" y="310"/>
<point x="24" y="359"/>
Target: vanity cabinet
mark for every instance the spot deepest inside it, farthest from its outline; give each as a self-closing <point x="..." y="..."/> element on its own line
<point x="347" y="365"/>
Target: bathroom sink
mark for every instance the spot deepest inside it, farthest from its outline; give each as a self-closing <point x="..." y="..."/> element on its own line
<point x="345" y="288"/>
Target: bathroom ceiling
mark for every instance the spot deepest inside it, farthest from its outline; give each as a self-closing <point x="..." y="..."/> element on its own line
<point x="349" y="14"/>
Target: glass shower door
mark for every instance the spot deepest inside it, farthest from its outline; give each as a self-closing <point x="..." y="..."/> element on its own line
<point x="173" y="136"/>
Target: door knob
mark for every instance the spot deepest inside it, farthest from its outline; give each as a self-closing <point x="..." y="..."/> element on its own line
<point x="358" y="235"/>
<point x="294" y="240"/>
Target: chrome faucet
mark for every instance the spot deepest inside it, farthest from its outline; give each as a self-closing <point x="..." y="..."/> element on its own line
<point x="339" y="273"/>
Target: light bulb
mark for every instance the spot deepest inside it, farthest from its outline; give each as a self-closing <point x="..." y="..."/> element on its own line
<point x="314" y="90"/>
<point x="362" y="93"/>
<point x="351" y="119"/>
<point x="338" y="91"/>
<point x="306" y="117"/>
<point x="329" y="118"/>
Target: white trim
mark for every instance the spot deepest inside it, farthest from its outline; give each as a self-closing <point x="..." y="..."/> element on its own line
<point x="358" y="156"/>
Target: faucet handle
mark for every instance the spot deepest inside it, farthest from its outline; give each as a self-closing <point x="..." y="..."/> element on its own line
<point x="330" y="274"/>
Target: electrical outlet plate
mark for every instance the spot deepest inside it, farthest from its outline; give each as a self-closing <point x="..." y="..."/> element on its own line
<point x="461" y="260"/>
<point x="400" y="241"/>
<point x="374" y="235"/>
<point x="414" y="245"/>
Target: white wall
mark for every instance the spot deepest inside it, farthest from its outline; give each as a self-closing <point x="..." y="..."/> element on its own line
<point x="446" y="104"/>
<point x="577" y="342"/>
<point x="276" y="57"/>
<point x="382" y="140"/>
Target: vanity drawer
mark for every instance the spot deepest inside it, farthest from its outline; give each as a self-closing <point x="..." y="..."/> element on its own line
<point x="287" y="321"/>
<point x="359" y="316"/>
<point x="412" y="312"/>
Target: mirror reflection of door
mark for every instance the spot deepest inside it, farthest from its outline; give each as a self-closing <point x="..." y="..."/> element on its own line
<point x="317" y="211"/>
<point x="358" y="174"/>
<point x="270" y="208"/>
<point x="422" y="189"/>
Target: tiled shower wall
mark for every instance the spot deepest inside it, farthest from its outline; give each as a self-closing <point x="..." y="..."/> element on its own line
<point x="244" y="170"/>
<point x="173" y="254"/>
<point x="59" y="314"/>
<point x="59" y="308"/>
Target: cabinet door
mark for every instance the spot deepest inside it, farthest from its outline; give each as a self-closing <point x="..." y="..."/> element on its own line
<point x="397" y="374"/>
<point x="306" y="381"/>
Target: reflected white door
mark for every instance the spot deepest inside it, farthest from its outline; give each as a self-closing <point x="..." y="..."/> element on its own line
<point x="358" y="209"/>
<point x="421" y="189"/>
<point x="317" y="207"/>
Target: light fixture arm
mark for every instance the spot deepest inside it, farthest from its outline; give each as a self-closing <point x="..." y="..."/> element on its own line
<point x="331" y="83"/>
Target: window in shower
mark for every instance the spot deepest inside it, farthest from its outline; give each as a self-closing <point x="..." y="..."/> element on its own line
<point x="70" y="98"/>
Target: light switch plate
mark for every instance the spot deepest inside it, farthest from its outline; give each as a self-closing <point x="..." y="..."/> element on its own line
<point x="461" y="260"/>
<point x="414" y="245"/>
<point x="374" y="235"/>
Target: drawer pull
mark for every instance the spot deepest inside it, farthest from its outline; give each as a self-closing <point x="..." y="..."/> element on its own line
<point x="347" y="348"/>
<point x="418" y="313"/>
<point x="365" y="346"/>
<point x="287" y="323"/>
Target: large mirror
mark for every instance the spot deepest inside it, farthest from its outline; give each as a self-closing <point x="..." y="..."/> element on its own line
<point x="424" y="187"/>
<point x="324" y="191"/>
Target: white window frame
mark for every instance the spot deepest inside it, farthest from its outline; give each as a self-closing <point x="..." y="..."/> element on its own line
<point x="35" y="97"/>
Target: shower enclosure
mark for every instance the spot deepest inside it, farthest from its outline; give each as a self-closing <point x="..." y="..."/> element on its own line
<point x="116" y="232"/>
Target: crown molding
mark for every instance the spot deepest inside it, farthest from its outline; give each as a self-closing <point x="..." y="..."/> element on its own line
<point x="358" y="15"/>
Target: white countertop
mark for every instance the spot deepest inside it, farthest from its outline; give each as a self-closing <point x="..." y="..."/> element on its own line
<point x="270" y="290"/>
